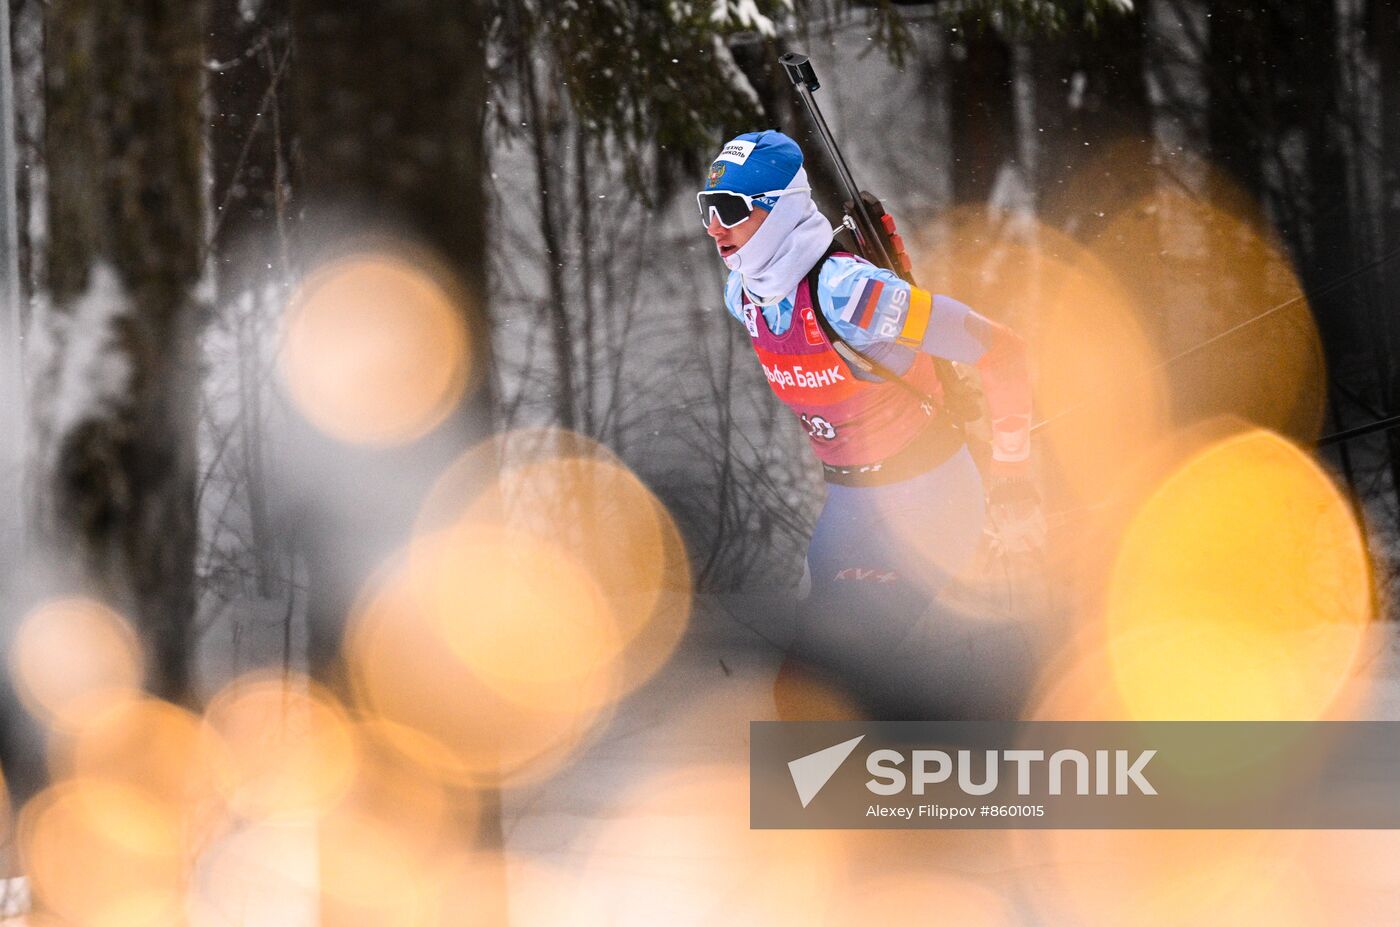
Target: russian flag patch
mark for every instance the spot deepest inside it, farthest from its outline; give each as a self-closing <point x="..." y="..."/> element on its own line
<point x="861" y="308"/>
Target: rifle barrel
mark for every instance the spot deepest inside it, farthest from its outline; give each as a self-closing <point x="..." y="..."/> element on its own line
<point x="868" y="230"/>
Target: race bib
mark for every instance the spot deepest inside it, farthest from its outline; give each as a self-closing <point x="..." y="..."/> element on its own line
<point x="751" y="319"/>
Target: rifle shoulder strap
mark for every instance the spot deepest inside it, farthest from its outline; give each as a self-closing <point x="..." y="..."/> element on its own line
<point x="859" y="360"/>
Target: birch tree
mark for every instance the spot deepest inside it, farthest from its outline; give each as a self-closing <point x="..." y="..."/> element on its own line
<point x="125" y="202"/>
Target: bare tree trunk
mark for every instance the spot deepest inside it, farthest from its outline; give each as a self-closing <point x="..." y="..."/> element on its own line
<point x="1091" y="105"/>
<point x="1239" y="121"/>
<point x="1326" y="243"/>
<point x="982" y="106"/>
<point x="126" y="208"/>
<point x="1384" y="27"/>
<point x="1329" y="245"/>
<point x="251" y="55"/>
<point x="587" y="254"/>
<point x="546" y="133"/>
<point x="13" y="424"/>
<point x="390" y="116"/>
<point x="390" y="111"/>
<point x="26" y="54"/>
<point x="1386" y="35"/>
<point x="21" y="754"/>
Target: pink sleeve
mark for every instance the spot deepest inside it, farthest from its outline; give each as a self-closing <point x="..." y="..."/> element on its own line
<point x="1006" y="384"/>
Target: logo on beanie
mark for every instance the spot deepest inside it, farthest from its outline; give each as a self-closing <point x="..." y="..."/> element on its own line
<point x="736" y="151"/>
<point x="716" y="172"/>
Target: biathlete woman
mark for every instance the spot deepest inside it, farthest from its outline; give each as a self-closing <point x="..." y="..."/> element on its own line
<point x="906" y="504"/>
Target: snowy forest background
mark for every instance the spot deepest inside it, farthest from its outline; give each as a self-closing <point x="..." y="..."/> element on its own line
<point x="182" y="166"/>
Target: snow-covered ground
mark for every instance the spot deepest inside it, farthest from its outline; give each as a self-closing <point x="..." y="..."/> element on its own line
<point x="600" y="843"/>
<point x="599" y="821"/>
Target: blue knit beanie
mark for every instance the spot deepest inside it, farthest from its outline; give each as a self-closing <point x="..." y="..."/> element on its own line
<point x="756" y="162"/>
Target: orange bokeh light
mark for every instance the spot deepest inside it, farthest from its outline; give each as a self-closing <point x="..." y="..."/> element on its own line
<point x="72" y="658"/>
<point x="1206" y="262"/>
<point x="103" y="854"/>
<point x="487" y="653"/>
<point x="1160" y="878"/>
<point x="1241" y="589"/>
<point x="151" y="747"/>
<point x="681" y="843"/>
<point x="571" y="493"/>
<point x="376" y="349"/>
<point x="289" y="748"/>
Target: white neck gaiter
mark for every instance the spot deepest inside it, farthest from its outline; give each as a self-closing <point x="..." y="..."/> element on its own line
<point x="784" y="248"/>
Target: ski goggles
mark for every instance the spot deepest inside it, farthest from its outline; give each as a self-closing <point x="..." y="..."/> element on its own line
<point x="732" y="208"/>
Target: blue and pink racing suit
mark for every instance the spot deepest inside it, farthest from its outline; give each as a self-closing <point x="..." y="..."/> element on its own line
<point x="904" y="512"/>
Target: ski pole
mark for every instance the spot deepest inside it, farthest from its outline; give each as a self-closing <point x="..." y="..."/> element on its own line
<point x="1341" y="437"/>
<point x="804" y="78"/>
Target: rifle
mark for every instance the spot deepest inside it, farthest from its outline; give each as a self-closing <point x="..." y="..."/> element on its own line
<point x="878" y="241"/>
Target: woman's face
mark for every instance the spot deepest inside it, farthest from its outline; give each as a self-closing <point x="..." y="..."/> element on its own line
<point x="727" y="241"/>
